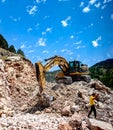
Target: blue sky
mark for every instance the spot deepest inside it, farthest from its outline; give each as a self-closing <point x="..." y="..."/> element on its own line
<point x="74" y="29"/>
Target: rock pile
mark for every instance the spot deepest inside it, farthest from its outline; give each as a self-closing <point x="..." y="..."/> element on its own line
<point x="60" y="107"/>
<point x="17" y="83"/>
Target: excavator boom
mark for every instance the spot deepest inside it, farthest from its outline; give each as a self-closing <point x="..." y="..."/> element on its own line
<point x="56" y="60"/>
<point x="51" y="62"/>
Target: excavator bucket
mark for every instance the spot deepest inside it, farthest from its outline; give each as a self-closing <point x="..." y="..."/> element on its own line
<point x="40" y="74"/>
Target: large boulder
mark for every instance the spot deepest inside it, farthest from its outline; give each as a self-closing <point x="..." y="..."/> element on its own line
<point x="100" y="125"/>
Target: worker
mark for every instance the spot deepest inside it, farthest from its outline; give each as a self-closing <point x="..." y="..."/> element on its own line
<point x="93" y="97"/>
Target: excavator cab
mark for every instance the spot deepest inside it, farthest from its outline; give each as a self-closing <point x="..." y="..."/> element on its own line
<point x="74" y="66"/>
<point x="78" y="71"/>
<point x="77" y="66"/>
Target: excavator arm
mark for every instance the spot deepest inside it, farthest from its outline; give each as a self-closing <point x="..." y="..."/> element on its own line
<point x="40" y="75"/>
<point x="51" y="62"/>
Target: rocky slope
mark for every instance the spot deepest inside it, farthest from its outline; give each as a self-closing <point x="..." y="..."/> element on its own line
<point x="60" y="107"/>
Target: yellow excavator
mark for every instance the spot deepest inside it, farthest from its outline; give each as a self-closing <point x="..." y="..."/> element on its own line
<point x="70" y="71"/>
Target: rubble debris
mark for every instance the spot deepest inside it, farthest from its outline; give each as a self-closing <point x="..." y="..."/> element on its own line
<point x="60" y="107"/>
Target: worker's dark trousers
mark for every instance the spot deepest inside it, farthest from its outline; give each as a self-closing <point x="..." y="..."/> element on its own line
<point x="92" y="109"/>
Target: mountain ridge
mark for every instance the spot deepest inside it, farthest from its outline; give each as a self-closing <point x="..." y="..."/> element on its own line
<point x="103" y="62"/>
<point x="103" y="71"/>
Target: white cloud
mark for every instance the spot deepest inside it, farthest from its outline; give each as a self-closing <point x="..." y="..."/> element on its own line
<point x="39" y="58"/>
<point x="63" y="50"/>
<point x="92" y="2"/>
<point x="81" y="4"/>
<point x="22" y="43"/>
<point x="95" y="43"/>
<point x="86" y="9"/>
<point x="3" y="1"/>
<point x="99" y="38"/>
<point x="43" y="33"/>
<point x="41" y="42"/>
<point x="78" y="57"/>
<point x="65" y="22"/>
<point x="14" y="39"/>
<point x="29" y="46"/>
<point x="77" y="42"/>
<point x="32" y="9"/>
<point x="103" y="7"/>
<point x="39" y="1"/>
<point x="72" y="36"/>
<point x="46" y="17"/>
<point x="80" y="47"/>
<point x="79" y="32"/>
<point x="29" y="29"/>
<point x="112" y="16"/>
<point x="97" y="5"/>
<point x="101" y="17"/>
<point x="91" y="24"/>
<point x="106" y="1"/>
<point x="69" y="52"/>
<point x="45" y="51"/>
<point x="62" y="0"/>
<point x="47" y="30"/>
<point x="15" y="19"/>
<point x="77" y="47"/>
<point x="22" y="46"/>
<point x="30" y="51"/>
<point x="37" y="26"/>
<point x="44" y="0"/>
<point x="108" y="55"/>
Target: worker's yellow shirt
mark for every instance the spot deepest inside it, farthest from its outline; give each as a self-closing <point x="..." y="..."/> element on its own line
<point x="92" y="100"/>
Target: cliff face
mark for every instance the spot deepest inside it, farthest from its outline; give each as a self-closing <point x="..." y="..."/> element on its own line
<point x="17" y="81"/>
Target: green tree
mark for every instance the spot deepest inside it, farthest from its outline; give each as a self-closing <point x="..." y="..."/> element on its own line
<point x="108" y="80"/>
<point x="3" y="43"/>
<point x="12" y="49"/>
<point x="19" y="51"/>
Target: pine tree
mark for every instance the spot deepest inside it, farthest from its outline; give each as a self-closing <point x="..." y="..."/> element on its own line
<point x="12" y="49"/>
<point x="3" y="43"/>
<point x="19" y="51"/>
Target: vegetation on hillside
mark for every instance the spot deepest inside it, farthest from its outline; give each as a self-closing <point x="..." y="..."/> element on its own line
<point x="103" y="71"/>
<point x="4" y="44"/>
<point x="50" y="76"/>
